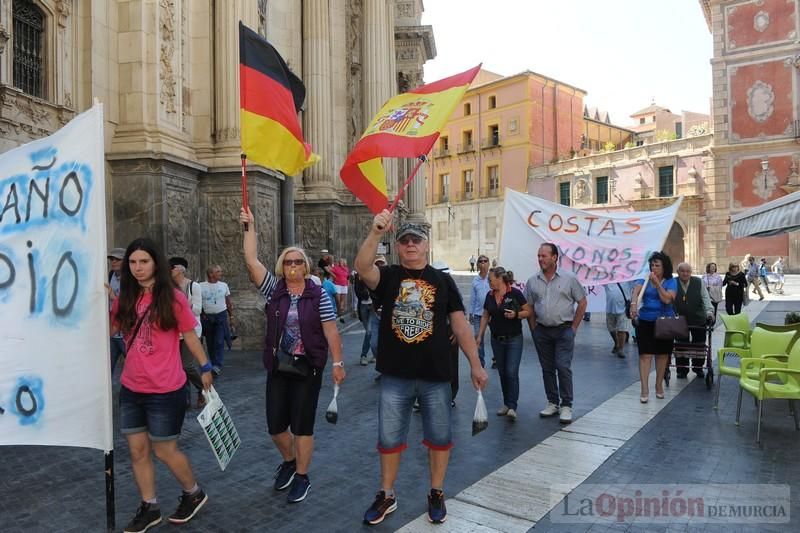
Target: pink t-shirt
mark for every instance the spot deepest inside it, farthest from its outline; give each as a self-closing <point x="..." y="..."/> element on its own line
<point x="153" y="358"/>
<point x="340" y="274"/>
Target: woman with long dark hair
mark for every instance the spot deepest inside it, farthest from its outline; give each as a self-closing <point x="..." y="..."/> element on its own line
<point x="151" y="313"/>
<point x="656" y="300"/>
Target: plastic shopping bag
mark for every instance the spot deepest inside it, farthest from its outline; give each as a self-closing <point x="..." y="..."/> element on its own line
<point x="218" y="427"/>
<point x="480" y="420"/>
<point x="332" y="414"/>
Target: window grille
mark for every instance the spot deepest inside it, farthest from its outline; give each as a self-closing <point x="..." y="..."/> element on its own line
<point x="28" y="39"/>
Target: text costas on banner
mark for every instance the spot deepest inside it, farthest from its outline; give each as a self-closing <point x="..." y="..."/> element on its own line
<point x="54" y="307"/>
<point x="598" y="248"/>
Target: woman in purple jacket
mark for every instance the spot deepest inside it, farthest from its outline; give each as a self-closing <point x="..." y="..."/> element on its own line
<point x="301" y="327"/>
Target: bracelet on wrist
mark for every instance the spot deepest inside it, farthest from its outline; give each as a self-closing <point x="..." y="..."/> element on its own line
<point x="206" y="368"/>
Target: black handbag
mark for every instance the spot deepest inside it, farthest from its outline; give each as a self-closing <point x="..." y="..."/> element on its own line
<point x="627" y="302"/>
<point x="291" y="365"/>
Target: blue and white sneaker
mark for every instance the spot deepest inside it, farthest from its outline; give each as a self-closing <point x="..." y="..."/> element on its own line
<point x="299" y="489"/>
<point x="437" y="512"/>
<point x="284" y="474"/>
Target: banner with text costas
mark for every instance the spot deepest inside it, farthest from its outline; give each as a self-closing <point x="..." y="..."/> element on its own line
<point x="598" y="248"/>
<point x="55" y="382"/>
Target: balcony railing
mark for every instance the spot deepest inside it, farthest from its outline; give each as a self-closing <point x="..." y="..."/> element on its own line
<point x="441" y="198"/>
<point x="465" y="148"/>
<point x="490" y="142"/>
<point x="441" y="152"/>
<point x="490" y="192"/>
<point x="463" y="196"/>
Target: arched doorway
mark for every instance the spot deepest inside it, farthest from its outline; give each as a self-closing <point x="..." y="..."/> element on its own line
<point x="674" y="247"/>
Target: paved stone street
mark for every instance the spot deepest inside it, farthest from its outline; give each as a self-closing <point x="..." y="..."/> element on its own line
<point x="61" y="489"/>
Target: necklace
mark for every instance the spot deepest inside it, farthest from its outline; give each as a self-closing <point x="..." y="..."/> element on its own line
<point x="296" y="290"/>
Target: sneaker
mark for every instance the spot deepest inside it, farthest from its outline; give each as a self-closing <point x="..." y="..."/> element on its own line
<point x="416" y="406"/>
<point x="382" y="506"/>
<point x="190" y="504"/>
<point x="364" y="360"/>
<point x="284" y="474"/>
<point x="621" y="353"/>
<point x="512" y="414"/>
<point x="437" y="512"/>
<point x="299" y="490"/>
<point x="371" y="360"/>
<point x="145" y="518"/>
<point x="550" y="410"/>
<point x="566" y="415"/>
<point x="216" y="370"/>
<point x="503" y="411"/>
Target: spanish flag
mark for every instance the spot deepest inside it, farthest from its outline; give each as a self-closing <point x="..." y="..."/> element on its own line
<point x="406" y="126"/>
<point x="270" y="96"/>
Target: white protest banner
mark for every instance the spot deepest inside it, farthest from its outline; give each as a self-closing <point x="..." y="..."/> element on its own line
<point x="55" y="381"/>
<point x="598" y="248"/>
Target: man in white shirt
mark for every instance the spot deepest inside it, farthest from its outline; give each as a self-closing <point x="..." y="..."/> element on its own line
<point x="193" y="292"/>
<point x="217" y="310"/>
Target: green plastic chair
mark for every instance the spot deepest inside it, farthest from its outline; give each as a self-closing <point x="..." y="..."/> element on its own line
<point x="737" y="330"/>
<point x="771" y="377"/>
<point x="764" y="339"/>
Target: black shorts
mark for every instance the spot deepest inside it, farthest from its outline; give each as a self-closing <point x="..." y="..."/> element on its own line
<point x="648" y="344"/>
<point x="292" y="403"/>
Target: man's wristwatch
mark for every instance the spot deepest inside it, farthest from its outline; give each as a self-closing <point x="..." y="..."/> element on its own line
<point x="340" y="364"/>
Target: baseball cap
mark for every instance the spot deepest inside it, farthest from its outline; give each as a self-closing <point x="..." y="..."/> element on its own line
<point x="411" y="228"/>
<point x="178" y="261"/>
<point x="117" y="253"/>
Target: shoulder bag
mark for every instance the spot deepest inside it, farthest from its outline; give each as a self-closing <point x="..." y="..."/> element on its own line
<point x="669" y="328"/>
<point x="627" y="302"/>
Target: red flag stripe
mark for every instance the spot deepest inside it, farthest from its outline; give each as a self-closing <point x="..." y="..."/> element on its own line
<point x="269" y="98"/>
<point x="355" y="180"/>
<point x="464" y="78"/>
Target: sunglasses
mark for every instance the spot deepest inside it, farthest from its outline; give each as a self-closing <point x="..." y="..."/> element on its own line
<point x="410" y="238"/>
<point x="483" y="260"/>
<point x="295" y="262"/>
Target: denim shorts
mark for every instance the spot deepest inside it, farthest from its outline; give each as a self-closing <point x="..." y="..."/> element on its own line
<point x="394" y="413"/>
<point x="160" y="415"/>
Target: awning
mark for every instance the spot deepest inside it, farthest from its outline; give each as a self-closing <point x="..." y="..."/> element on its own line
<point x="772" y="218"/>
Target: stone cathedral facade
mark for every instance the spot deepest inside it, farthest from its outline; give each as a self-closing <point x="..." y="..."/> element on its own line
<point x="166" y="72"/>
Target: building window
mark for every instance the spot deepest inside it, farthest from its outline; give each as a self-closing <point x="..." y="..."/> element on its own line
<point x="467" y="109"/>
<point x="563" y="193"/>
<point x="467" y="184"/>
<point x="640" y="143"/>
<point x="28" y="48"/>
<point x="678" y="130"/>
<point x="466" y="229"/>
<point x="490" y="223"/>
<point x="602" y="189"/>
<point x="665" y="181"/>
<point x="466" y="141"/>
<point x="492" y="102"/>
<point x="494" y="136"/>
<point x="444" y="187"/>
<point x="641" y="120"/>
<point x="444" y="144"/>
<point x="512" y="125"/>
<point x="494" y="179"/>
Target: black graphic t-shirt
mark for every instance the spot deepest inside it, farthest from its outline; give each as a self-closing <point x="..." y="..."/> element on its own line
<point x="413" y="341"/>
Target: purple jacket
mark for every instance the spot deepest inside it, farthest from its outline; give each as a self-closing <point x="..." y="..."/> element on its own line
<point x="311" y="332"/>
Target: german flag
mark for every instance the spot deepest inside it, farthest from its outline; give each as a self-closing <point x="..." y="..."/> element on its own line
<point x="270" y="96"/>
<point x="406" y="126"/>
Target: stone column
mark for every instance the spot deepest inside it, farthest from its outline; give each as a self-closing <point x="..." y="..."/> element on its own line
<point x="378" y="85"/>
<point x="226" y="72"/>
<point x="318" y="129"/>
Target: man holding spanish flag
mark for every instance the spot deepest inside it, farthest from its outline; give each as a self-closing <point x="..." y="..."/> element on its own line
<point x="413" y="345"/>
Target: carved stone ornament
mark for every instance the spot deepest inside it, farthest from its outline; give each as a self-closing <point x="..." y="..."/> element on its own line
<point x="761" y="21"/>
<point x="179" y="221"/>
<point x="313" y="231"/>
<point x="764" y="187"/>
<point x="4" y="35"/>
<point x="697" y="130"/>
<point x="581" y="189"/>
<point x="404" y="10"/>
<point x="33" y="111"/>
<point x="64" y="8"/>
<point x="760" y="100"/>
<point x="167" y="27"/>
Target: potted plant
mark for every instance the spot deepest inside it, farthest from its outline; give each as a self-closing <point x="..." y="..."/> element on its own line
<point x="791" y="318"/>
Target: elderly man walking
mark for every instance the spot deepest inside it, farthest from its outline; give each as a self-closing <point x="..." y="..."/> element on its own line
<point x="414" y="357"/>
<point x="553" y="295"/>
<point x="693" y="302"/>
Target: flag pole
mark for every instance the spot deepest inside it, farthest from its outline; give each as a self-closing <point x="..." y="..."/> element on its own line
<point x="109" y="475"/>
<point x="402" y="190"/>
<point x="245" y="203"/>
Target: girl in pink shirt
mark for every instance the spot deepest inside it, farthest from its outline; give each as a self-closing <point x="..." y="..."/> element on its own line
<point x="151" y="313"/>
<point x="340" y="275"/>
